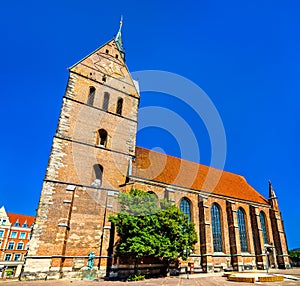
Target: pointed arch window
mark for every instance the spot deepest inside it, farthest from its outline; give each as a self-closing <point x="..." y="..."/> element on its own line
<point x="216" y="228"/>
<point x="119" y="106"/>
<point x="152" y="193"/>
<point x="263" y="224"/>
<point x="185" y="207"/>
<point x="91" y="96"/>
<point x="242" y="229"/>
<point x="105" y="101"/>
<point x="98" y="173"/>
<point x="102" y="133"/>
<point x="153" y="198"/>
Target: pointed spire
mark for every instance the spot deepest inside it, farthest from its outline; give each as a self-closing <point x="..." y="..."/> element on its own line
<point x="271" y="191"/>
<point x="118" y="39"/>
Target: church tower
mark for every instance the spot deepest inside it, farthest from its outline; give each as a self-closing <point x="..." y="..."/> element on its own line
<point x="91" y="150"/>
<point x="280" y="241"/>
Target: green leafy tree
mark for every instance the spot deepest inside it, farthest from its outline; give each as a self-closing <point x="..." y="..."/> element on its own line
<point x="295" y="257"/>
<point x="148" y="227"/>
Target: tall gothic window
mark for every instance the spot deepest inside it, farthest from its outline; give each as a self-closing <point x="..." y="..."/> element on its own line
<point x="263" y="224"/>
<point x="242" y="229"/>
<point x="105" y="101"/>
<point x="119" y="106"/>
<point x="98" y="172"/>
<point x="185" y="207"/>
<point x="91" y="97"/>
<point x="152" y="193"/>
<point x="216" y="228"/>
<point x="102" y="137"/>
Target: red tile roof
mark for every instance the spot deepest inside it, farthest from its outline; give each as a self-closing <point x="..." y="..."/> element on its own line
<point x="22" y="219"/>
<point x="167" y="169"/>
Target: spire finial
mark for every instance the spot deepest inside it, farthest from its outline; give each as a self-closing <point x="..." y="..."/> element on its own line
<point x="118" y="39"/>
<point x="121" y="21"/>
<point x="271" y="191"/>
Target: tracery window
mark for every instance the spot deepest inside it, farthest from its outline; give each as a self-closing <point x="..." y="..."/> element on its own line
<point x="216" y="228"/>
<point x="185" y="207"/>
<point x="242" y="229"/>
<point x="263" y="224"/>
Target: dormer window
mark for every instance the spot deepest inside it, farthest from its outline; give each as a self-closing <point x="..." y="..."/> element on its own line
<point x="17" y="223"/>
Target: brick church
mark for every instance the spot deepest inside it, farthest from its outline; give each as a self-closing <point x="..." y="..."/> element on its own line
<point x="94" y="157"/>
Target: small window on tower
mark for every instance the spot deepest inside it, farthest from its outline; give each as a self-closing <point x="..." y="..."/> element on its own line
<point x="105" y="101"/>
<point x="104" y="78"/>
<point x="119" y="106"/>
<point x="117" y="56"/>
<point x="102" y="137"/>
<point x="98" y="172"/>
<point x="91" y="97"/>
<point x="107" y="52"/>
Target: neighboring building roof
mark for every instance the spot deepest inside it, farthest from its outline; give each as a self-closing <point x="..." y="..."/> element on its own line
<point x="154" y="166"/>
<point x="21" y="219"/>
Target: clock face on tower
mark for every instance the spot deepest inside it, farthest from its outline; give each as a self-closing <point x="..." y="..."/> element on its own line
<point x="107" y="65"/>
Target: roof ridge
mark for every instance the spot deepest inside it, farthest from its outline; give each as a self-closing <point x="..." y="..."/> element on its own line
<point x="8" y="213"/>
<point x="199" y="164"/>
<point x="229" y="184"/>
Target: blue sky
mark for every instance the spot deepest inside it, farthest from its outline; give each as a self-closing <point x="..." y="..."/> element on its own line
<point x="244" y="54"/>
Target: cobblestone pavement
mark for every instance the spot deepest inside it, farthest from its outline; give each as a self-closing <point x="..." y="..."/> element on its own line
<point x="198" y="279"/>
